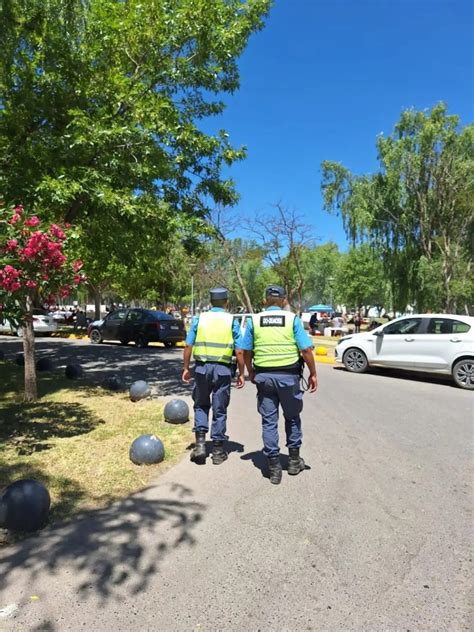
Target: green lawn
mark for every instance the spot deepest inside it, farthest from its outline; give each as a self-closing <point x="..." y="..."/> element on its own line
<point x="76" y="439"/>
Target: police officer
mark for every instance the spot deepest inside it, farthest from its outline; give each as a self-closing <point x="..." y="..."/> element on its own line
<point x="211" y="341"/>
<point x="278" y="345"/>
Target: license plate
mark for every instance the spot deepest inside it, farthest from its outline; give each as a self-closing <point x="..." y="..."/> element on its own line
<point x="174" y="327"/>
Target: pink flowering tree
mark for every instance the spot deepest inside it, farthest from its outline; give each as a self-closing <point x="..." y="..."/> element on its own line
<point x="34" y="268"/>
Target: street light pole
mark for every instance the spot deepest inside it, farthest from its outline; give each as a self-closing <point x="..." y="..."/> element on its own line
<point x="330" y="281"/>
<point x="192" y="293"/>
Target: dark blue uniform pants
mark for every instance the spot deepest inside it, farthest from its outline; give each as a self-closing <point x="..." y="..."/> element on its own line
<point x="274" y="389"/>
<point x="211" y="381"/>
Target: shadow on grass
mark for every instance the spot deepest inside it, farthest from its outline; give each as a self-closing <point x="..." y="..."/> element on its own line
<point x="29" y="427"/>
<point x="68" y="493"/>
<point x="109" y="553"/>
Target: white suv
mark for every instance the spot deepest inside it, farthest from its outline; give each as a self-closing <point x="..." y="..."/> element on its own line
<point x="435" y="343"/>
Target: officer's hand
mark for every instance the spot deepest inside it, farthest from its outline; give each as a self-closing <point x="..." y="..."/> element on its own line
<point x="313" y="383"/>
<point x="240" y="381"/>
<point x="186" y="377"/>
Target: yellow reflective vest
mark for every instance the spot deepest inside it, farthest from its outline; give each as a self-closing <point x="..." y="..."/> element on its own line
<point x="274" y="339"/>
<point x="214" y="340"/>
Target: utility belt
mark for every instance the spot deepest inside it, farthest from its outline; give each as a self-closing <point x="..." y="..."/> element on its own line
<point x="202" y="363"/>
<point x="293" y="369"/>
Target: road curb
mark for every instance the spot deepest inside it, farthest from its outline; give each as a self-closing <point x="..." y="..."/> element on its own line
<point x="324" y="359"/>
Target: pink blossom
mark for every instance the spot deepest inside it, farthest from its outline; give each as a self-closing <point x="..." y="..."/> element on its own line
<point x="77" y="265"/>
<point x="57" y="232"/>
<point x="31" y="284"/>
<point x="32" y="221"/>
<point x="11" y="245"/>
<point x="14" y="218"/>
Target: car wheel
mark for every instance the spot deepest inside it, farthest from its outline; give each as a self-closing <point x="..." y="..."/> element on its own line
<point x="355" y="360"/>
<point x="463" y="373"/>
<point x="95" y="337"/>
<point x="169" y="344"/>
<point x="141" y="341"/>
<point x="124" y="341"/>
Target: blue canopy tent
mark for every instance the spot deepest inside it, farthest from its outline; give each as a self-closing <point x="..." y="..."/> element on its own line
<point x="320" y="308"/>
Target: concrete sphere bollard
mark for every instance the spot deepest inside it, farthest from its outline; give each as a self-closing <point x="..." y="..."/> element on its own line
<point x="24" y="506"/>
<point x="73" y="371"/>
<point x="176" y="412"/>
<point x="113" y="383"/>
<point x="146" y="450"/>
<point x="20" y="359"/>
<point x="139" y="390"/>
<point x="44" y="364"/>
<point x="321" y="351"/>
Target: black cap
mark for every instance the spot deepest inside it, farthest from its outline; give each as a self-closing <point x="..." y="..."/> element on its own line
<point x="276" y="291"/>
<point x="219" y="294"/>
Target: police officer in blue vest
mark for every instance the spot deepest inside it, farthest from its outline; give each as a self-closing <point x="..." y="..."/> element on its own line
<point x="211" y="340"/>
<point x="276" y="347"/>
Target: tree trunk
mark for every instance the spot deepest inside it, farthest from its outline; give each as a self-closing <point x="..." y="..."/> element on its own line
<point x="97" y="303"/>
<point x="31" y="389"/>
<point x="247" y="301"/>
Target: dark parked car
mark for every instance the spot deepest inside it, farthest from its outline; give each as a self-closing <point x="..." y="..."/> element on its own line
<point x="138" y="325"/>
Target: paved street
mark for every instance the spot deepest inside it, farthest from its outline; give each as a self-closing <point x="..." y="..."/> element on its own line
<point x="375" y="536"/>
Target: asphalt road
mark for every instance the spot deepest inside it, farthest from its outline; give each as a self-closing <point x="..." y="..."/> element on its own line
<point x="375" y="536"/>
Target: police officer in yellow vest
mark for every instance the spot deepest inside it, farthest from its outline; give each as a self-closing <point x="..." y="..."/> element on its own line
<point x="211" y="340"/>
<point x="277" y="343"/>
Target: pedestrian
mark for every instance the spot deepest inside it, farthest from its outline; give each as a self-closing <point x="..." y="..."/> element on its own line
<point x="357" y="323"/>
<point x="313" y="323"/>
<point x="211" y="341"/>
<point x="275" y="347"/>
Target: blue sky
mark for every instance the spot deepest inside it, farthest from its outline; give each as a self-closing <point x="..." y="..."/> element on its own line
<point x="325" y="77"/>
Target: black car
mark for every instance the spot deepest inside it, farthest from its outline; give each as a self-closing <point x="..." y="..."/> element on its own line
<point x="138" y="325"/>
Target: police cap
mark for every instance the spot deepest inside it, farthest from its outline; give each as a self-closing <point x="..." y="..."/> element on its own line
<point x="219" y="294"/>
<point x="276" y="291"/>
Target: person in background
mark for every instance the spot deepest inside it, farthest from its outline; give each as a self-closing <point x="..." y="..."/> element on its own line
<point x="357" y="323"/>
<point x="313" y="323"/>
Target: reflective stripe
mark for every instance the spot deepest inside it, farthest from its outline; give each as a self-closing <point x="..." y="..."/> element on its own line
<point x="219" y="345"/>
<point x="208" y="358"/>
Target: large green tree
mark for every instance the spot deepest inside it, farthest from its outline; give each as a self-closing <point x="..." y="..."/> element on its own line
<point x="417" y="210"/>
<point x="101" y="103"/>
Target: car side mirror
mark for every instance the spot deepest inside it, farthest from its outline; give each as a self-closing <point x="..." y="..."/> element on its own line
<point x="378" y="333"/>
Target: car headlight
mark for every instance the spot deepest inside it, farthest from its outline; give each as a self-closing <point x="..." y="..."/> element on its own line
<point x="343" y="339"/>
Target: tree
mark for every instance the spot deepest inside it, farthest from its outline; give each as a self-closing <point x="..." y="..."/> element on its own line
<point x="320" y="265"/>
<point x="284" y="239"/>
<point x="418" y="210"/>
<point x="34" y="266"/>
<point x="360" y="278"/>
<point x="101" y="103"/>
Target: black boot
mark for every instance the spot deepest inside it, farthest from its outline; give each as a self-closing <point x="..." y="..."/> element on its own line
<point x="274" y="467"/>
<point x="198" y="454"/>
<point x="295" y="462"/>
<point x="219" y="454"/>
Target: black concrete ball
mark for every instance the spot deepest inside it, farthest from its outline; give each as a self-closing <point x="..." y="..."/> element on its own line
<point x="139" y="390"/>
<point x="147" y="449"/>
<point x="20" y="359"/>
<point x="44" y="364"/>
<point x="114" y="383"/>
<point x="73" y="371"/>
<point x="24" y="506"/>
<point x="176" y="412"/>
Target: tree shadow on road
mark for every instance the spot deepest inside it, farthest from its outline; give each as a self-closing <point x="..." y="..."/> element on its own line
<point x="161" y="368"/>
<point x="108" y="553"/>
